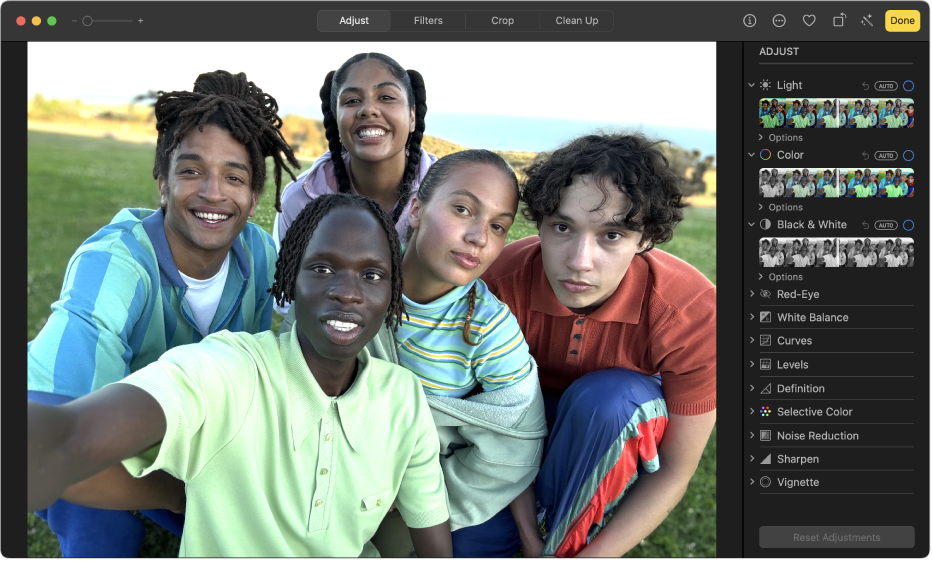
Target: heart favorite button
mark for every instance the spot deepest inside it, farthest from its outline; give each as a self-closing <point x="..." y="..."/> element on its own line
<point x="809" y="19"/>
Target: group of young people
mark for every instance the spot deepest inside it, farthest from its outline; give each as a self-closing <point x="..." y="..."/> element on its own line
<point x="777" y="113"/>
<point x="777" y="182"/>
<point x="425" y="368"/>
<point x="786" y="252"/>
<point x="892" y="183"/>
<point x="834" y="113"/>
<point x="892" y="114"/>
<point x="835" y="182"/>
<point x="877" y="253"/>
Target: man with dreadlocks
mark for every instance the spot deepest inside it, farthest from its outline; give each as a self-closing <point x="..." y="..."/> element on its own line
<point x="153" y="280"/>
<point x="289" y="446"/>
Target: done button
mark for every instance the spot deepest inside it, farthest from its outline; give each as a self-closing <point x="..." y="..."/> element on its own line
<point x="902" y="20"/>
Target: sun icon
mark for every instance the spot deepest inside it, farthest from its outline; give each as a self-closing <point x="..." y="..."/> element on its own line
<point x="765" y="84"/>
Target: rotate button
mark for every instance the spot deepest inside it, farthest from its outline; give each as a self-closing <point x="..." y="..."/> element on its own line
<point x="885" y="225"/>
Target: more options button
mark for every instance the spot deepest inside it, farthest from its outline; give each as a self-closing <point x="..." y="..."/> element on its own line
<point x="837" y="536"/>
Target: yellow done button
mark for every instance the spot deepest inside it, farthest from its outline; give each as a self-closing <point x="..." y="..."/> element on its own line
<point x="902" y="20"/>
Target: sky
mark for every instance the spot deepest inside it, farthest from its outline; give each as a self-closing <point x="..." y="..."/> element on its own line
<point x="608" y="82"/>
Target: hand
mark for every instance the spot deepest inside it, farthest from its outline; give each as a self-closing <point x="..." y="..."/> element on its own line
<point x="533" y="547"/>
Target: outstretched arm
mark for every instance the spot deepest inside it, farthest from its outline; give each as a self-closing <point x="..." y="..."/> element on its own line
<point x="115" y="488"/>
<point x="432" y="542"/>
<point x="69" y="443"/>
<point x="654" y="495"/>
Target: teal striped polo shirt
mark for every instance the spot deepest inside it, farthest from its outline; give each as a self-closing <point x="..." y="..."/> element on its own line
<point x="122" y="305"/>
<point x="430" y="343"/>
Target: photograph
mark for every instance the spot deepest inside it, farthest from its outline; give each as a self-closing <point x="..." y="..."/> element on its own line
<point x="879" y="182"/>
<point x="797" y="252"/>
<point x="882" y="113"/>
<point x="772" y="113"/>
<point x="876" y="252"/>
<point x="285" y="272"/>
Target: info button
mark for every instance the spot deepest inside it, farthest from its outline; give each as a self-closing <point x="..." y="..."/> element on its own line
<point x="885" y="225"/>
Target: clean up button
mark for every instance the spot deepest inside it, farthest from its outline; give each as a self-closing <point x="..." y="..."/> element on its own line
<point x="838" y="536"/>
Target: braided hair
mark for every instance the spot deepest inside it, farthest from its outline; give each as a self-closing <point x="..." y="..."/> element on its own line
<point x="234" y="104"/>
<point x="300" y="232"/>
<point x="438" y="174"/>
<point x="413" y="84"/>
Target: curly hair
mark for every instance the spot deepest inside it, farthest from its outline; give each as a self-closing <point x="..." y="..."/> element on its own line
<point x="413" y="83"/>
<point x="234" y="104"/>
<point x="298" y="236"/>
<point x="631" y="163"/>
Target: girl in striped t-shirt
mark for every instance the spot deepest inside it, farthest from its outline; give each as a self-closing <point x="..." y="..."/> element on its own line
<point x="456" y="334"/>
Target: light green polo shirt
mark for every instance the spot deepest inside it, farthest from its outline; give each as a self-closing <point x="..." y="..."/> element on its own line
<point x="274" y="467"/>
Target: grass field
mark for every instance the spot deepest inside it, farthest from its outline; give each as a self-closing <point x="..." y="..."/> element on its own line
<point x="78" y="183"/>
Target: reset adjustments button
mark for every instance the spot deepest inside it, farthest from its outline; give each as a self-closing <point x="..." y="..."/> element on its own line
<point x="354" y="20"/>
<point x="837" y="536"/>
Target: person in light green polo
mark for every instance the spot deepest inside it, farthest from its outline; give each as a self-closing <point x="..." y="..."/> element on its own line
<point x="288" y="446"/>
<point x="830" y="120"/>
<point x="771" y="119"/>
<point x="895" y="120"/>
<point x="862" y="121"/>
<point x="801" y="118"/>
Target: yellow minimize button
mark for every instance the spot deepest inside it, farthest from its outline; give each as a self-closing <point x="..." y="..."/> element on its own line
<point x="902" y="20"/>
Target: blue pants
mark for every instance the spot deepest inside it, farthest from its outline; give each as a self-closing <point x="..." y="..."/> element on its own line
<point x="87" y="532"/>
<point x="604" y="431"/>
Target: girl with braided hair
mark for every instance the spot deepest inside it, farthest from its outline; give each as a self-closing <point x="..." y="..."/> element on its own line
<point x="374" y="119"/>
<point x="459" y="339"/>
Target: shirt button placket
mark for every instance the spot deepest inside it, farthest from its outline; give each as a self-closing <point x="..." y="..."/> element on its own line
<point x="325" y="461"/>
<point x="575" y="344"/>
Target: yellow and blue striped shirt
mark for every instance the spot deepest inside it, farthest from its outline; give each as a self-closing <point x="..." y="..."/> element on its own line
<point x="430" y="343"/>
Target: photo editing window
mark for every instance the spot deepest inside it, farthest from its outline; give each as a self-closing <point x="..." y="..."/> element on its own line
<point x="441" y="279"/>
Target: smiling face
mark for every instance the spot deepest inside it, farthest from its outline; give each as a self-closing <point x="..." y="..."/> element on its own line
<point x="343" y="287"/>
<point x="373" y="112"/>
<point x="207" y="196"/>
<point x="585" y="247"/>
<point x="459" y="232"/>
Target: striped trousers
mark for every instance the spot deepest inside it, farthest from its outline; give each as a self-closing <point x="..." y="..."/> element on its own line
<point x="605" y="429"/>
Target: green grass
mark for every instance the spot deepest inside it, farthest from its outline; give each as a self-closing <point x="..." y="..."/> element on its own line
<point x="77" y="184"/>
